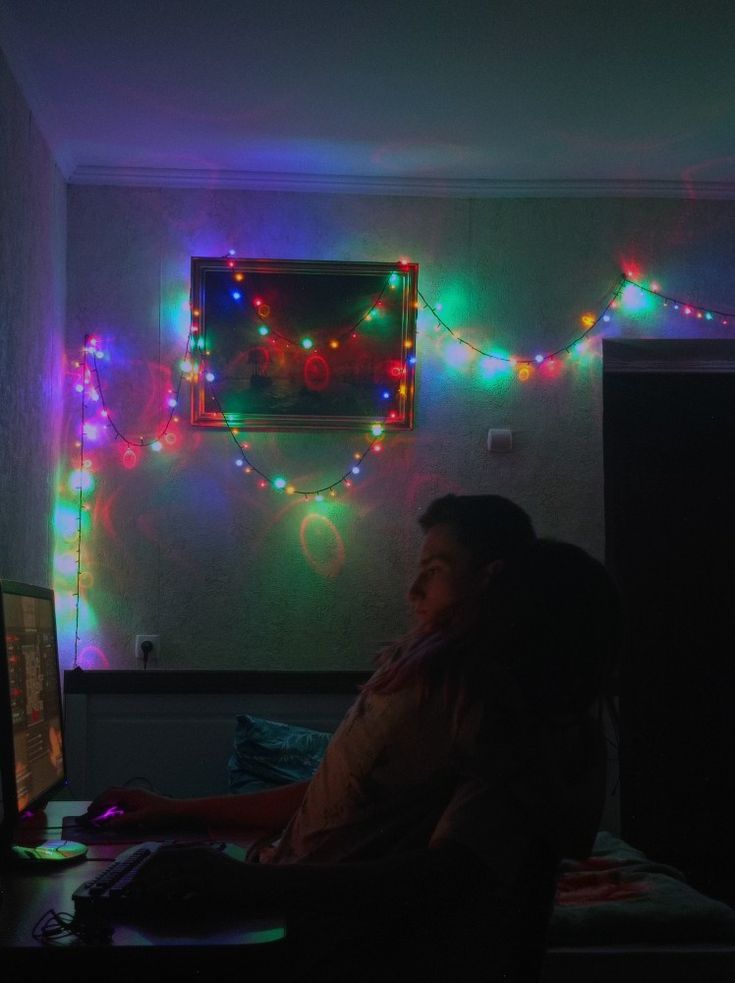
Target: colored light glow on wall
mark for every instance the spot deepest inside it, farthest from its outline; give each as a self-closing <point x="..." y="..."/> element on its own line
<point x="322" y="544"/>
<point x="633" y="300"/>
<point x="92" y="657"/>
<point x="77" y="489"/>
<point x="457" y="355"/>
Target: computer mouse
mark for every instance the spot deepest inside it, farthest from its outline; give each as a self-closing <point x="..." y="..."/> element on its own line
<point x="53" y="851"/>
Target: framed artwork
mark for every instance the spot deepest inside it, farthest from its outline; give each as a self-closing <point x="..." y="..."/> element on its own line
<point x="291" y="344"/>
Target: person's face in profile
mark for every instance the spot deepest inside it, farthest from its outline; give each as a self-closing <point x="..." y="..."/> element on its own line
<point x="446" y="579"/>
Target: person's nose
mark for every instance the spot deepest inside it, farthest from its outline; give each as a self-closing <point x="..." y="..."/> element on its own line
<point x="416" y="590"/>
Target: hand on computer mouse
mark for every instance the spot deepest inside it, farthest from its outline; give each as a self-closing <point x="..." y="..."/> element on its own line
<point x="132" y="807"/>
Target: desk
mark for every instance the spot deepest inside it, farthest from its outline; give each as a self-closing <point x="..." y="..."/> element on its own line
<point x="216" y="942"/>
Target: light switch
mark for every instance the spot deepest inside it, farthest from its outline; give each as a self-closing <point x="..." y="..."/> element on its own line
<point x="499" y="441"/>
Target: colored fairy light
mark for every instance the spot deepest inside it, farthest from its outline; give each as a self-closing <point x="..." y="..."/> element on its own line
<point x="386" y="395"/>
<point x="334" y="343"/>
<point x="239" y="462"/>
<point x="355" y="470"/>
<point x="279" y="483"/>
<point x="186" y="366"/>
<point x="129" y="458"/>
<point x="539" y="359"/>
<point x="263" y="330"/>
<point x="81" y="480"/>
<point x="318" y="497"/>
<point x="156" y="445"/>
<point x="290" y="489"/>
<point x="239" y="277"/>
<point x="236" y="295"/>
<point x="232" y="252"/>
<point x="209" y="376"/>
<point x="171" y="401"/>
<point x="588" y="320"/>
<point x="307" y="343"/>
<point x="376" y="429"/>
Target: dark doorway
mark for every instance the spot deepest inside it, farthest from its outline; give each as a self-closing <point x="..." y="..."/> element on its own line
<point x="669" y="445"/>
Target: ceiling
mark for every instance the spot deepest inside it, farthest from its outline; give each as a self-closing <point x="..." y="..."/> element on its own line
<point x="463" y="97"/>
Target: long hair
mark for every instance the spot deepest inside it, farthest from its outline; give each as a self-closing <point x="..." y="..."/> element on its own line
<point x="563" y="631"/>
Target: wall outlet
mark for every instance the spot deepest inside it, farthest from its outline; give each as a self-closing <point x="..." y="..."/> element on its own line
<point x="154" y="654"/>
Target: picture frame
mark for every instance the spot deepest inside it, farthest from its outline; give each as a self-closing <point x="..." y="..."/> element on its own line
<point x="302" y="344"/>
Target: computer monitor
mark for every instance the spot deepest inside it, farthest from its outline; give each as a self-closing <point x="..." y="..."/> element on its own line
<point x="31" y="725"/>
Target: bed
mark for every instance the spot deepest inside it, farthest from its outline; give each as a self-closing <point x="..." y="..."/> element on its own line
<point x="619" y="915"/>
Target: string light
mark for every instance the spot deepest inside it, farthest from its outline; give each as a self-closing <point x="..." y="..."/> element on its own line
<point x="589" y="321"/>
<point x="282" y="484"/>
<point x="89" y="385"/>
<point x="264" y="310"/>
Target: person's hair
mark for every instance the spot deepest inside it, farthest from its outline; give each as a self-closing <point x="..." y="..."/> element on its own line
<point x="491" y="528"/>
<point x="551" y="619"/>
<point x="564" y="629"/>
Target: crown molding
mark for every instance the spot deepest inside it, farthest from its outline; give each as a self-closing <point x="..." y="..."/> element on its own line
<point x="667" y="355"/>
<point x="169" y="177"/>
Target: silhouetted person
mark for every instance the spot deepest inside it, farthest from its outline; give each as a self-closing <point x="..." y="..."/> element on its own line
<point x="475" y="747"/>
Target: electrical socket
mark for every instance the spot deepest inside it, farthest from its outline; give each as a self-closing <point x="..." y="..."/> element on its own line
<point x="154" y="656"/>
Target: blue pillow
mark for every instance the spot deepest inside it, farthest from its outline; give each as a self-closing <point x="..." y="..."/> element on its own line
<point x="268" y="753"/>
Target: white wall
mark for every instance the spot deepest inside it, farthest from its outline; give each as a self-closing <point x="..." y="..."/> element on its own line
<point x="32" y="302"/>
<point x="184" y="545"/>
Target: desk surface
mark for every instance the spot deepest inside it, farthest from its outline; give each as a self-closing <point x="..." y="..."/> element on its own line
<point x="29" y="890"/>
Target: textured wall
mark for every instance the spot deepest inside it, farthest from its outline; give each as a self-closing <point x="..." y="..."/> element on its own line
<point x="186" y="546"/>
<point x="32" y="301"/>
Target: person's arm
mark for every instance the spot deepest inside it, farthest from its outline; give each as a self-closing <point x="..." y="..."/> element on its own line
<point x="437" y="877"/>
<point x="270" y="809"/>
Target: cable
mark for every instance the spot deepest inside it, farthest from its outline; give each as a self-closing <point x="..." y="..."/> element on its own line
<point x="146" y="648"/>
<point x="62" y="929"/>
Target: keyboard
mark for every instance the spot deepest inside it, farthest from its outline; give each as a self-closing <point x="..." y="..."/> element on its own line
<point x="113" y="890"/>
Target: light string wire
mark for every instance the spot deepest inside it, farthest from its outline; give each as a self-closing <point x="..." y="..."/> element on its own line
<point x="234" y="433"/>
<point x="614" y="291"/>
<point x="141" y="442"/>
<point x="89" y="346"/>
<point x="681" y="303"/>
<point x="346" y="332"/>
<point x="80" y="506"/>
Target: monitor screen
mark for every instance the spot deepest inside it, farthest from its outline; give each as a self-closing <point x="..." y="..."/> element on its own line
<point x="31" y="743"/>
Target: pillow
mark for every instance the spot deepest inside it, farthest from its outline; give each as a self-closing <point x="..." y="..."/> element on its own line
<point x="268" y="753"/>
<point x="619" y="895"/>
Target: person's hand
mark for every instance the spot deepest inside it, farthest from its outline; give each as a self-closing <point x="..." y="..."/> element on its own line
<point x="191" y="873"/>
<point x="133" y="807"/>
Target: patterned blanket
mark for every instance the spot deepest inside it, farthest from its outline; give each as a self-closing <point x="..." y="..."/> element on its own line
<point x="619" y="895"/>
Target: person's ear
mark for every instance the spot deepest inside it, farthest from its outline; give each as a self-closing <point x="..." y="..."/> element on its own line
<point x="491" y="570"/>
